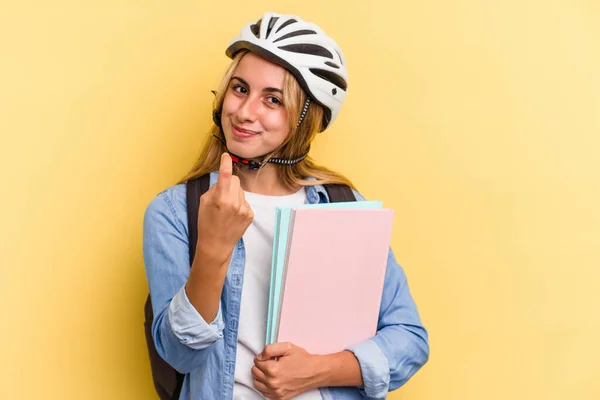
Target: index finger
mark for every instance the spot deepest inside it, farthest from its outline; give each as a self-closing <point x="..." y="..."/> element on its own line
<point x="225" y="170"/>
<point x="274" y="350"/>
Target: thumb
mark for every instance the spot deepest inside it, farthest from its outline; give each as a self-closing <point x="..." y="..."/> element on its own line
<point x="225" y="172"/>
<point x="225" y="167"/>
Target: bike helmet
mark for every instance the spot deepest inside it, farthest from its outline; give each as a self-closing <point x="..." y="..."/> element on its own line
<point x="302" y="48"/>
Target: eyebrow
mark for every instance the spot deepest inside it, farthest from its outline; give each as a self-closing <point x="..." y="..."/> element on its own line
<point x="268" y="90"/>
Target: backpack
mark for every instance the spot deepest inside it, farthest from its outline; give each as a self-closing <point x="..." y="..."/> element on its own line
<point x="167" y="381"/>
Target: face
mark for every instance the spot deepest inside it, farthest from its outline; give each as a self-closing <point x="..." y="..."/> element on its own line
<point x="254" y="118"/>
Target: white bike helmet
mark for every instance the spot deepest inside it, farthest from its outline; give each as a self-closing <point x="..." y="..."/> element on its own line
<point x="302" y="48"/>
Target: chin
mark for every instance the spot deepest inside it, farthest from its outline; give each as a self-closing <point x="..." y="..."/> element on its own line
<point x="249" y="155"/>
<point x="249" y="149"/>
<point x="244" y="150"/>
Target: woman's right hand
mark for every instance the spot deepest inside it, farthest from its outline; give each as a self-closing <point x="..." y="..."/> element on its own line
<point x="224" y="215"/>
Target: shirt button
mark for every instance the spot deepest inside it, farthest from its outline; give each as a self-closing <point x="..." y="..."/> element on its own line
<point x="234" y="324"/>
<point x="237" y="280"/>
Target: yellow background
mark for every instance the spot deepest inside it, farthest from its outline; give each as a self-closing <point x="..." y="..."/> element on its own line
<point x="477" y="121"/>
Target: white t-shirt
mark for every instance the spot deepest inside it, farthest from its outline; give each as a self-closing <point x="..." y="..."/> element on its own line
<point x="258" y="241"/>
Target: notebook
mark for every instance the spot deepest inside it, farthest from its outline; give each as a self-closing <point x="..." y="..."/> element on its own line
<point x="280" y="240"/>
<point x="333" y="276"/>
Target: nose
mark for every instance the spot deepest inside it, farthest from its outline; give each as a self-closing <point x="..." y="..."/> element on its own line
<point x="248" y="110"/>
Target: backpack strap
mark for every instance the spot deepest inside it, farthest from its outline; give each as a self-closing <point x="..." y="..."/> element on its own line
<point x="339" y="193"/>
<point x="195" y="188"/>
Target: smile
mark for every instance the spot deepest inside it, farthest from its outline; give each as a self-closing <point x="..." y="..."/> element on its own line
<point x="243" y="133"/>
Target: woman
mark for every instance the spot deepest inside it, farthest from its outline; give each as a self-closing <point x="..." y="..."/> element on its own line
<point x="286" y="83"/>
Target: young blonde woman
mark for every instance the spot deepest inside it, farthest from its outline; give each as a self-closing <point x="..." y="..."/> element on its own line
<point x="286" y="84"/>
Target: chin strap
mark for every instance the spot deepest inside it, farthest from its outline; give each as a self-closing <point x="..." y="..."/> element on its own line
<point x="253" y="165"/>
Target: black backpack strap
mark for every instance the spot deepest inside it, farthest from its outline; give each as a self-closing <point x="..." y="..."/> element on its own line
<point x="194" y="189"/>
<point x="339" y="193"/>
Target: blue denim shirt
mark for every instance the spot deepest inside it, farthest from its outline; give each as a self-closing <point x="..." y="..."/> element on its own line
<point x="206" y="352"/>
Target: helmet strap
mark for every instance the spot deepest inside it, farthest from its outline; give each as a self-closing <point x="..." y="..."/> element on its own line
<point x="254" y="165"/>
<point x="304" y="110"/>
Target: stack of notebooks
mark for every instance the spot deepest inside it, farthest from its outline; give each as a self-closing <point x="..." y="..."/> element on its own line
<point x="329" y="263"/>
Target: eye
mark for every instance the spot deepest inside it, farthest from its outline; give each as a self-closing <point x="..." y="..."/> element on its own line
<point x="239" y="88"/>
<point x="274" y="100"/>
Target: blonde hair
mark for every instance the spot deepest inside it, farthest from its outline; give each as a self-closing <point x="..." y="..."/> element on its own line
<point x="296" y="144"/>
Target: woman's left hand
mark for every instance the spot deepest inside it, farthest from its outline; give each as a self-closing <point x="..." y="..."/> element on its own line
<point x="284" y="370"/>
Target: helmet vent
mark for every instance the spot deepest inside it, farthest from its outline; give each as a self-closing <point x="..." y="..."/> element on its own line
<point x="286" y="23"/>
<point x="296" y="33"/>
<point x="255" y="28"/>
<point x="272" y="22"/>
<point x="330" y="77"/>
<point x="312" y="49"/>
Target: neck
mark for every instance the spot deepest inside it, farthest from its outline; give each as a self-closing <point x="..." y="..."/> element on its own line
<point x="264" y="181"/>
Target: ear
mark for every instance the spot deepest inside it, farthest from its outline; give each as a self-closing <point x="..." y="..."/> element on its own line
<point x="217" y="118"/>
<point x="216" y="115"/>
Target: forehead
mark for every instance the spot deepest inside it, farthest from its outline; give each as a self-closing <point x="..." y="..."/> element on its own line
<point x="259" y="72"/>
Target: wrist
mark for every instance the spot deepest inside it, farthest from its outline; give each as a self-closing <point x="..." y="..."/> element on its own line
<point x="339" y="369"/>
<point x="211" y="256"/>
<point x="323" y="367"/>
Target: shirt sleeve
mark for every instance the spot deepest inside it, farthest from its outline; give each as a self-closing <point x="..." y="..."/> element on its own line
<point x="189" y="326"/>
<point x="374" y="369"/>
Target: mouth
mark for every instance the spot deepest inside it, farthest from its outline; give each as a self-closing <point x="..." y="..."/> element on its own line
<point x="243" y="133"/>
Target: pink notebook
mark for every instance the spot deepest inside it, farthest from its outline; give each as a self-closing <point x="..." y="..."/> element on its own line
<point x="335" y="269"/>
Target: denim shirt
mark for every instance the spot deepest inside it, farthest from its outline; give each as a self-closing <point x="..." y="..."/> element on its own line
<point x="206" y="352"/>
